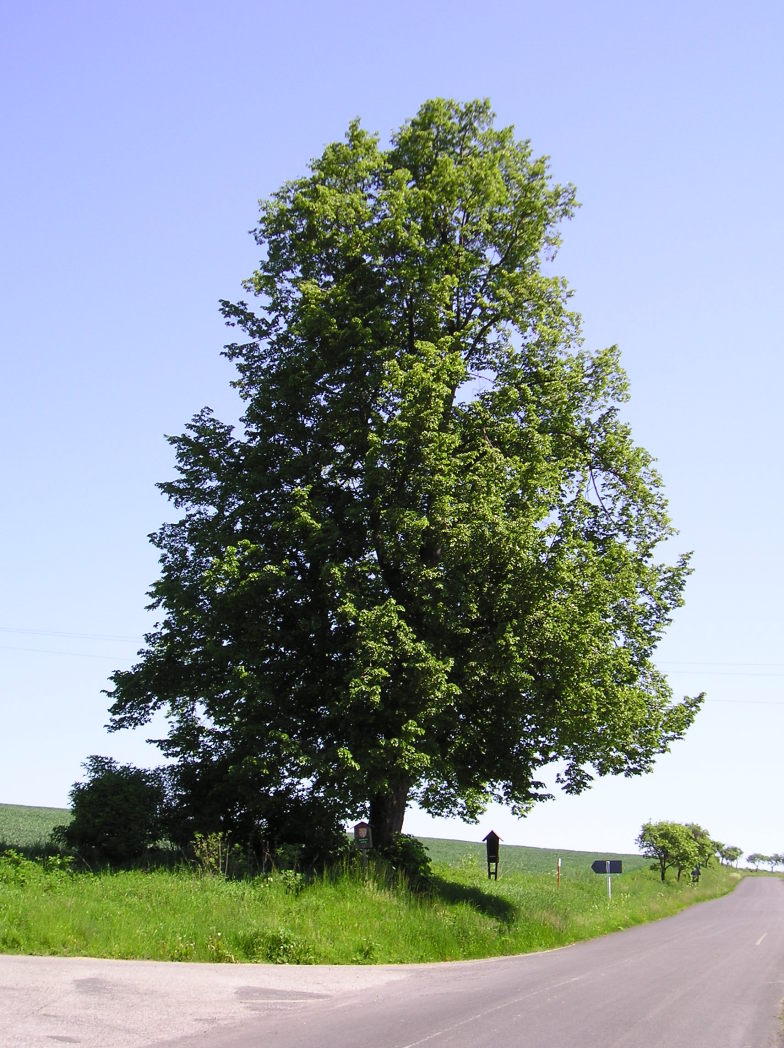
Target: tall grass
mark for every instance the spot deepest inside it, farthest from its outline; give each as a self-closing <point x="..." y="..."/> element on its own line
<point x="345" y="918"/>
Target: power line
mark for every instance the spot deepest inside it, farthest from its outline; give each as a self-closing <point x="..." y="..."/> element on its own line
<point x="705" y="669"/>
<point x="53" y="651"/>
<point x="721" y="673"/>
<point x="62" y="633"/>
<point x="706" y="662"/>
<point x="746" y="702"/>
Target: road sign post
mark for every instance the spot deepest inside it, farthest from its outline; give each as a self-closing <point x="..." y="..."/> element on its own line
<point x="610" y="867"/>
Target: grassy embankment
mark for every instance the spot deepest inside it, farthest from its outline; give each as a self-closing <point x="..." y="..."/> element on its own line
<point x="342" y="919"/>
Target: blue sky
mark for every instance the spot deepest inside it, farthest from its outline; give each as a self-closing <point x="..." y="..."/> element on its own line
<point x="137" y="140"/>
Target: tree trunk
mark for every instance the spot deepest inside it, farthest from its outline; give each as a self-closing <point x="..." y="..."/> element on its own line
<point x="387" y="810"/>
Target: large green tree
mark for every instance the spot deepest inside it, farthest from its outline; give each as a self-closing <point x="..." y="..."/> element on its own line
<point x="424" y="567"/>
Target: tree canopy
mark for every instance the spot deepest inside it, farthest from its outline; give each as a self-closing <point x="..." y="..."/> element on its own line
<point x="425" y="564"/>
<point x="707" y="848"/>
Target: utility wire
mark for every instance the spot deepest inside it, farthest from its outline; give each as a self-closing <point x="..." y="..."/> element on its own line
<point x="722" y="673"/>
<point x="674" y="667"/>
<point x="53" y="651"/>
<point x="62" y="633"/>
<point x="701" y="664"/>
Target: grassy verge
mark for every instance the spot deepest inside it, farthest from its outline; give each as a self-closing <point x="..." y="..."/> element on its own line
<point x="345" y="919"/>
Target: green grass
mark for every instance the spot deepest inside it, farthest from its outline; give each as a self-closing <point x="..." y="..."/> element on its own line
<point x="353" y="917"/>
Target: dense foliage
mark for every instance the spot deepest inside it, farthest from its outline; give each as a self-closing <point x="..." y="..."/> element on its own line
<point x="120" y="813"/>
<point x="425" y="566"/>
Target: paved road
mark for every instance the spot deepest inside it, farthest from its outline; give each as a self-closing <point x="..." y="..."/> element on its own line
<point x="712" y="977"/>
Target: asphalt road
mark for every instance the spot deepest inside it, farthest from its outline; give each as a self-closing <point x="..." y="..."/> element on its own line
<point x="711" y="977"/>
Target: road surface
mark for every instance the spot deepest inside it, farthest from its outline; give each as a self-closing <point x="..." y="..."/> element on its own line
<point x="711" y="977"/>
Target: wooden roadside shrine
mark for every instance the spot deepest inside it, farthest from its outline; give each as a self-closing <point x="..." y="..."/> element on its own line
<point x="492" y="840"/>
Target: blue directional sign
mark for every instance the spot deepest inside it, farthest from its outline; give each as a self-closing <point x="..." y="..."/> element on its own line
<point x="607" y="866"/>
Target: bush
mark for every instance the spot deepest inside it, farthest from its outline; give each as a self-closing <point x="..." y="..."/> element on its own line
<point x="408" y="855"/>
<point x="116" y="812"/>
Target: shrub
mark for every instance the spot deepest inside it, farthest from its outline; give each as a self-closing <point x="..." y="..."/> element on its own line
<point x="408" y="855"/>
<point x="283" y="947"/>
<point x="214" y="853"/>
<point x="116" y="812"/>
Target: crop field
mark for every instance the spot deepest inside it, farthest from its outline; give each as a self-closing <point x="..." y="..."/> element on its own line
<point x="22" y="826"/>
<point x="349" y="916"/>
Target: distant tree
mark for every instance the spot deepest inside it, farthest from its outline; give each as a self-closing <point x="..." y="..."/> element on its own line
<point x="117" y="812"/>
<point x="757" y="859"/>
<point x="427" y="564"/>
<point x="774" y="860"/>
<point x="729" y="854"/>
<point x="671" y="845"/>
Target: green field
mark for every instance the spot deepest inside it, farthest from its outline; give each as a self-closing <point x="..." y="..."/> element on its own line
<point x="22" y="826"/>
<point x="521" y="859"/>
<point x="349" y="917"/>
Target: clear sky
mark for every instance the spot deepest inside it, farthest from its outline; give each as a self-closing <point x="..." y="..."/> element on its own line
<point x="137" y="139"/>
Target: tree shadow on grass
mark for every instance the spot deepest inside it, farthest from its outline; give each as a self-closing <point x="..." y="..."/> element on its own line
<point x="490" y="905"/>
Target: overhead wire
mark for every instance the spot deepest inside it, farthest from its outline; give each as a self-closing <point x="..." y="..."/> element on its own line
<point x="769" y="669"/>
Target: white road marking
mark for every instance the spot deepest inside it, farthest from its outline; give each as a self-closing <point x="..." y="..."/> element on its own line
<point x="760" y="939"/>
